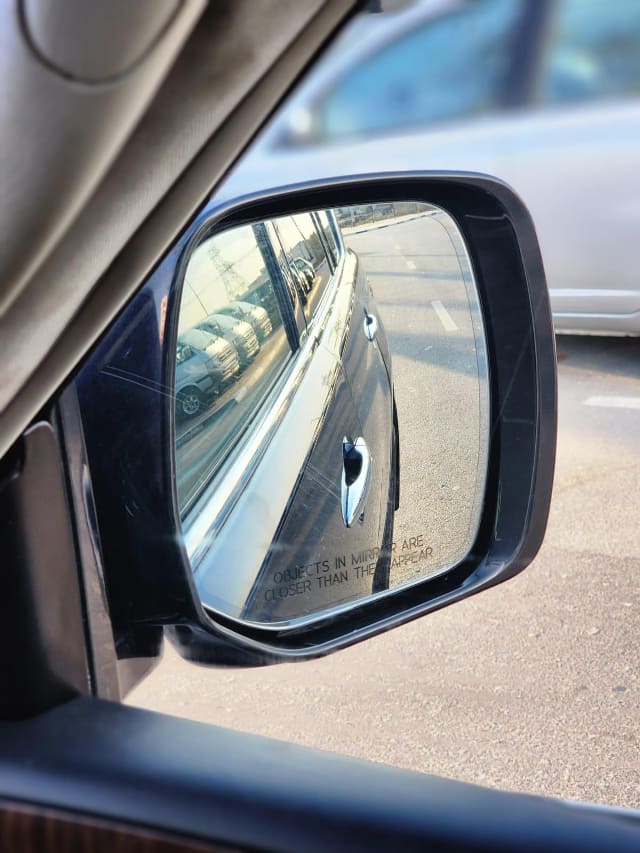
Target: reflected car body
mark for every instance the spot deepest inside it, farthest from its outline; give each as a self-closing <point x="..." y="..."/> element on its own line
<point x="253" y="314"/>
<point x="238" y="333"/>
<point x="558" y="101"/>
<point x="223" y="362"/>
<point x="335" y="393"/>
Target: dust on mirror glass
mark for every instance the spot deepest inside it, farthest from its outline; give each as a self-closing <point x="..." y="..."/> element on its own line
<point x="331" y="409"/>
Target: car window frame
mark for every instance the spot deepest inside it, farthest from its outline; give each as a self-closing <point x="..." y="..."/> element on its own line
<point x="541" y="72"/>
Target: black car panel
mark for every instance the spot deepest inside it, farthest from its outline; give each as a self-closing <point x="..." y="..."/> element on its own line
<point x="367" y="364"/>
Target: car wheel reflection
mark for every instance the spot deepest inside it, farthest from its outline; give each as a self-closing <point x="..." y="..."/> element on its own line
<point x="190" y="403"/>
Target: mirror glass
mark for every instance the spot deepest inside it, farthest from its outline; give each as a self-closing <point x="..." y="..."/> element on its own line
<point x="331" y="409"/>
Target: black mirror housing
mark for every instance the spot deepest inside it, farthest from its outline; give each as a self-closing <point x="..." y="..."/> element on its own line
<point x="148" y="575"/>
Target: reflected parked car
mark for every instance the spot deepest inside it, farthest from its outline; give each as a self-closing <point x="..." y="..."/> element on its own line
<point x="195" y="380"/>
<point x="300" y="281"/>
<point x="238" y="333"/>
<point x="544" y="95"/>
<point x="253" y="314"/>
<point x="223" y="362"/>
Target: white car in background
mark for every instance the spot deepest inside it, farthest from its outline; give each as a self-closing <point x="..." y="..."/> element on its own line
<point x="544" y="95"/>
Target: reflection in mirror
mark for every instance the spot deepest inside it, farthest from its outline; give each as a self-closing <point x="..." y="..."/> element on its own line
<point x="331" y="409"/>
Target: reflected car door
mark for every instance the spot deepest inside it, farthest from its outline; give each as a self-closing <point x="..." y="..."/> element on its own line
<point x="326" y="550"/>
<point x="366" y="359"/>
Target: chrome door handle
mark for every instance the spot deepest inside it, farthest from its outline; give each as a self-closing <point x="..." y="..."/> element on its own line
<point x="356" y="478"/>
<point x="370" y="325"/>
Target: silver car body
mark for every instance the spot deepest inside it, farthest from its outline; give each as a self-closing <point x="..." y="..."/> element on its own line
<point x="582" y="158"/>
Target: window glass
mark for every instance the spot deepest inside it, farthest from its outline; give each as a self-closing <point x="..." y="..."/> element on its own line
<point x="306" y="257"/>
<point x="232" y="346"/>
<point x="593" y="52"/>
<point x="417" y="78"/>
<point x="326" y="229"/>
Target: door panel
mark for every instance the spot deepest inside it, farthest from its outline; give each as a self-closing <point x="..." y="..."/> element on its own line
<point x="174" y="776"/>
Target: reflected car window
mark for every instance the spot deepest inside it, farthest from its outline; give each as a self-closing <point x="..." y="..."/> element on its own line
<point x="326" y="232"/>
<point x="305" y="253"/>
<point x="593" y="52"/>
<point x="232" y="346"/>
<point x="418" y="78"/>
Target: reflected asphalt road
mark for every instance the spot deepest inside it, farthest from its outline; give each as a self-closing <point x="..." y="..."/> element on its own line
<point x="418" y="284"/>
<point x="530" y="686"/>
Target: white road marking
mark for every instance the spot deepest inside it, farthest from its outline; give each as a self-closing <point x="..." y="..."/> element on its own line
<point x="444" y="316"/>
<point x="411" y="265"/>
<point x="614" y="402"/>
<point x="396" y="247"/>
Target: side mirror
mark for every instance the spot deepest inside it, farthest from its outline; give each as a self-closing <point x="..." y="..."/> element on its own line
<point x="387" y="447"/>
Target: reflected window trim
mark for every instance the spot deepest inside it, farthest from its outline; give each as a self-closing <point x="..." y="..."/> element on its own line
<point x="317" y="323"/>
<point x="335" y="233"/>
<point x="288" y="302"/>
<point x="289" y="261"/>
<point x="282" y="264"/>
